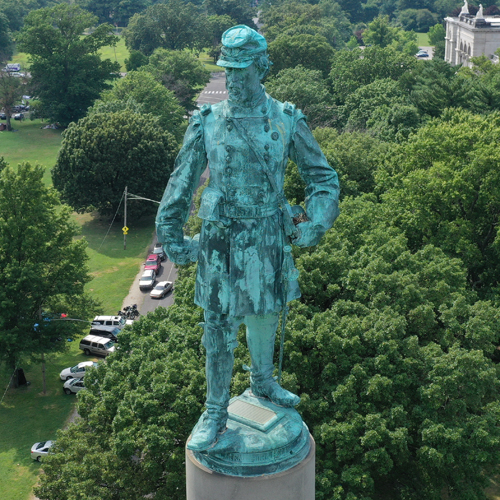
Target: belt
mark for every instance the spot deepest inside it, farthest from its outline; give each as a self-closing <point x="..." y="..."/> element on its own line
<point x="239" y="212"/>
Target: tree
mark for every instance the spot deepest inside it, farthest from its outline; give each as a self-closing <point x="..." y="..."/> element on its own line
<point x="67" y="73"/>
<point x="6" y="43"/>
<point x="142" y="87"/>
<point x="352" y="69"/>
<point x="135" y="60"/>
<point x="311" y="51"/>
<point x="239" y="10"/>
<point x="104" y="152"/>
<point x="180" y="72"/>
<point x="174" y="25"/>
<point x="43" y="267"/>
<point x="436" y="38"/>
<point x="115" y="11"/>
<point x="10" y="92"/>
<point x="442" y="189"/>
<point x="380" y="32"/>
<point x="307" y="89"/>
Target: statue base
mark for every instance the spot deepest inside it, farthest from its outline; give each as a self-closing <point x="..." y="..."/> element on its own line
<point x="297" y="483"/>
<point x="265" y="452"/>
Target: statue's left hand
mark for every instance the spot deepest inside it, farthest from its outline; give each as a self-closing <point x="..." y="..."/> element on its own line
<point x="309" y="235"/>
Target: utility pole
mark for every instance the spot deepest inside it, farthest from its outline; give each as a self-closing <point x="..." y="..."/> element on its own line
<point x="125" y="228"/>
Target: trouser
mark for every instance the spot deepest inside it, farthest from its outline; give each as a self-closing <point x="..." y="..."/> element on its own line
<point x="219" y="339"/>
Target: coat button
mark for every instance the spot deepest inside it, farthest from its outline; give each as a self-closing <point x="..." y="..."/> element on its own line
<point x="228" y="159"/>
<point x="229" y="171"/>
<point x="266" y="147"/>
<point x="228" y="148"/>
<point x="275" y="136"/>
<point x="266" y="128"/>
<point x="266" y="156"/>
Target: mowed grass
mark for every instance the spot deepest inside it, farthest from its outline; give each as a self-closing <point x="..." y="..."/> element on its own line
<point x="32" y="144"/>
<point x="28" y="416"/>
<point x="422" y="39"/>
<point x="118" y="53"/>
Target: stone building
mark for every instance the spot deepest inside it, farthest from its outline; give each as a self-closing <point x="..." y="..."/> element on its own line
<point x="471" y="36"/>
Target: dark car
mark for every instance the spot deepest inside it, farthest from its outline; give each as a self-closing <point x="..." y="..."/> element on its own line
<point x="158" y="250"/>
<point x="107" y="334"/>
<point x="3" y="116"/>
<point x="153" y="262"/>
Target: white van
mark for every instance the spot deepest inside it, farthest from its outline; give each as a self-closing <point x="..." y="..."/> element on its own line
<point x="109" y="323"/>
<point x="92" y="344"/>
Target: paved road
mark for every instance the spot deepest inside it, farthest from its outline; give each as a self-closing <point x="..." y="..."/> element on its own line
<point x="214" y="92"/>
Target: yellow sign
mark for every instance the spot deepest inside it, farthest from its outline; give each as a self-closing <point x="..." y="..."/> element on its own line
<point x="125" y="229"/>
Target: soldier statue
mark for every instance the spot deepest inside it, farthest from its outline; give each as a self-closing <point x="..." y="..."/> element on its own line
<point x="245" y="271"/>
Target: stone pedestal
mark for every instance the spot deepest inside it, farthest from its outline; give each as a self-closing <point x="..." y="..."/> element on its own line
<point x="296" y="483"/>
<point x="266" y="453"/>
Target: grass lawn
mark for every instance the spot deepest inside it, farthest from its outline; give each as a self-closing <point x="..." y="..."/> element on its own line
<point x="31" y="143"/>
<point x="422" y="39"/>
<point x="208" y="62"/>
<point x="28" y="416"/>
<point x="118" y="53"/>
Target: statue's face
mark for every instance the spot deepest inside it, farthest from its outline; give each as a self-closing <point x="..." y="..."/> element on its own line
<point x="242" y="83"/>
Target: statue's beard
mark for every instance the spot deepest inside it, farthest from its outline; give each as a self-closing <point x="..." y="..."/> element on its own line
<point x="238" y="94"/>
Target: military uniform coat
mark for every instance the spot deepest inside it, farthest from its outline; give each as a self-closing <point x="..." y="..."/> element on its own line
<point x="242" y="267"/>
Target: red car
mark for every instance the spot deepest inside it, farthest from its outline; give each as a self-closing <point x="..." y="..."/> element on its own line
<point x="153" y="262"/>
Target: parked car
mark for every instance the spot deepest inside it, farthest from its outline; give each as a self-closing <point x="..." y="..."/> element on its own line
<point x="109" y="322"/>
<point x="18" y="116"/>
<point x="3" y="116"/>
<point x="161" y="289"/>
<point x="73" y="385"/>
<point x="158" y="250"/>
<point x="107" y="334"/>
<point x="153" y="262"/>
<point x="77" y="371"/>
<point x="422" y="53"/>
<point x="93" y="344"/>
<point x="41" y="450"/>
<point x="147" y="280"/>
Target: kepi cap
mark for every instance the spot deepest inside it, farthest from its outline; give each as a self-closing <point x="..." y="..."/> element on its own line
<point x="239" y="45"/>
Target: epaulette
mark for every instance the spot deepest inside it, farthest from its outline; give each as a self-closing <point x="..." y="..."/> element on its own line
<point x="288" y="108"/>
<point x="206" y="109"/>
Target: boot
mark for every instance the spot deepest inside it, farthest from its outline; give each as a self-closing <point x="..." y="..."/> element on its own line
<point x="206" y="432"/>
<point x="261" y="332"/>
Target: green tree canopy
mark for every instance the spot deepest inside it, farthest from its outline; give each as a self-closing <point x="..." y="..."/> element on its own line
<point x="6" y="42"/>
<point x="172" y="25"/>
<point x="67" y="72"/>
<point x="180" y="72"/>
<point x="143" y="88"/>
<point x="352" y="69"/>
<point x="116" y="11"/>
<point x="311" y="51"/>
<point x="104" y="152"/>
<point x="239" y="10"/>
<point x="11" y="91"/>
<point x="43" y="267"/>
<point x="442" y="187"/>
<point x="307" y="89"/>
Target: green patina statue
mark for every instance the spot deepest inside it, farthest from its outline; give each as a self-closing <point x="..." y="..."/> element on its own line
<point x="245" y="269"/>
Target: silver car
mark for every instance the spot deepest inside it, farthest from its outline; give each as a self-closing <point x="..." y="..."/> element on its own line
<point x="72" y="386"/>
<point x="161" y="289"/>
<point x="40" y="450"/>
<point x="77" y="371"/>
<point x="148" y="279"/>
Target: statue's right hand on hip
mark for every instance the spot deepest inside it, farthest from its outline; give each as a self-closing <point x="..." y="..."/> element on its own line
<point x="185" y="252"/>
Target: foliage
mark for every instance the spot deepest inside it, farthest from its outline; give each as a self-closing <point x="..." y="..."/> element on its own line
<point x="355" y="68"/>
<point x="6" y="43"/>
<point x="42" y="267"/>
<point x="11" y="91"/>
<point x="180" y="72"/>
<point x="119" y="11"/>
<point x="380" y="32"/>
<point x="172" y="25"/>
<point x="104" y="152"/>
<point x="436" y="38"/>
<point x="239" y="10"/>
<point x="307" y="90"/>
<point x="67" y="73"/>
<point x="294" y="18"/>
<point x="311" y="51"/>
<point x="442" y="188"/>
<point x="135" y="60"/>
<point x="142" y="87"/>
<point x="420" y="20"/>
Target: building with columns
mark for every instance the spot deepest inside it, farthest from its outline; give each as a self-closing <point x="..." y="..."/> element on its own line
<point x="471" y="36"/>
